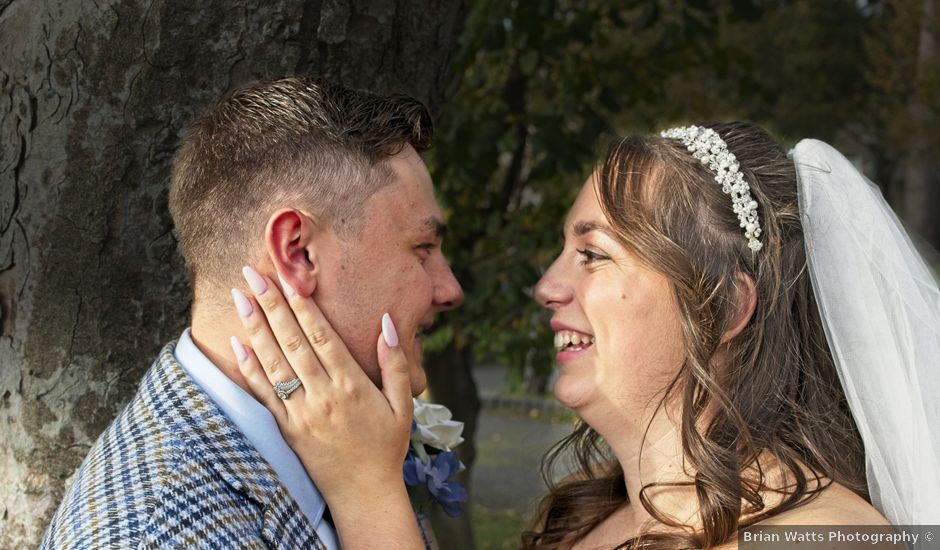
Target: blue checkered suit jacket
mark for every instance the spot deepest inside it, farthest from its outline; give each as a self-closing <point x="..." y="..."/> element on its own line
<point x="172" y="471"/>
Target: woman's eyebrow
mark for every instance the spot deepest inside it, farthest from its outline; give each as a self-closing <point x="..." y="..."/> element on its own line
<point x="585" y="227"/>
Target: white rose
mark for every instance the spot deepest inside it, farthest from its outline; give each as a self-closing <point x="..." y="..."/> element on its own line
<point x="435" y="427"/>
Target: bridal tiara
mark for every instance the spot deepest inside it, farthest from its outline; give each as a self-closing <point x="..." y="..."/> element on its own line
<point x="707" y="146"/>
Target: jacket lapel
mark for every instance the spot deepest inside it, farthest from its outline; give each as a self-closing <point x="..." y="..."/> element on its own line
<point x="196" y="418"/>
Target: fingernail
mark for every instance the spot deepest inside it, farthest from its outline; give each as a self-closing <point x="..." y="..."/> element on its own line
<point x="388" y="331"/>
<point x="255" y="282"/>
<point x="288" y="290"/>
<point x="239" y="349"/>
<point x="241" y="303"/>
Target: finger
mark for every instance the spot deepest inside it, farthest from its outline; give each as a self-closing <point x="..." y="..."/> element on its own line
<point x="282" y="322"/>
<point x="257" y="380"/>
<point x="396" y="378"/>
<point x="265" y="346"/>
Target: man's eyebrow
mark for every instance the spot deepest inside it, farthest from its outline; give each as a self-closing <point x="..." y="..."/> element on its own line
<point x="434" y="225"/>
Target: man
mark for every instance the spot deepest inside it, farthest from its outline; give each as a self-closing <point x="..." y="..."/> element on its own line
<point x="317" y="184"/>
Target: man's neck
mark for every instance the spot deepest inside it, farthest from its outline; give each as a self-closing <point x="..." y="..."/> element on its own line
<point x="212" y="339"/>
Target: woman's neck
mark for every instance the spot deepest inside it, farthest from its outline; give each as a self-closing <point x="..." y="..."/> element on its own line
<point x="652" y="455"/>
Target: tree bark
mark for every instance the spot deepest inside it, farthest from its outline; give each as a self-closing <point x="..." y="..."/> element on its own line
<point x="93" y="99"/>
<point x="920" y="170"/>
<point x="451" y="383"/>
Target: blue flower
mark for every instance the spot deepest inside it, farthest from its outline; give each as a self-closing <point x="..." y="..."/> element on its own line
<point x="413" y="470"/>
<point x="447" y="493"/>
<point x="436" y="476"/>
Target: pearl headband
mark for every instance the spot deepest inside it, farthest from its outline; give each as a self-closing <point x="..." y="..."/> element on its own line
<point x="707" y="146"/>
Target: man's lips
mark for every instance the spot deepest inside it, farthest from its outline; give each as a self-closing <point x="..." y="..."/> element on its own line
<point x="425" y="326"/>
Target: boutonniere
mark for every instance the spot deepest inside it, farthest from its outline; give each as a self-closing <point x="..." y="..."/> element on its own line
<point x="431" y="461"/>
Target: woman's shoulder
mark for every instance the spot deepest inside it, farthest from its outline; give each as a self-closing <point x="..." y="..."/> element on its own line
<point x="835" y="505"/>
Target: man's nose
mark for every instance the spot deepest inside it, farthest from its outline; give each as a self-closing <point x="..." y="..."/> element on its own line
<point x="447" y="291"/>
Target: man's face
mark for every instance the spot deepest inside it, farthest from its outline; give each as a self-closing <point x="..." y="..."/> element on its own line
<point x="395" y="265"/>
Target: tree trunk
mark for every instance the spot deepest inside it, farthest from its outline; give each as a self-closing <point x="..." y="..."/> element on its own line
<point x="93" y="99"/>
<point x="920" y="169"/>
<point x="451" y="384"/>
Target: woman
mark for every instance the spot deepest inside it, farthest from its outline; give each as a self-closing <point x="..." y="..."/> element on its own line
<point x="690" y="343"/>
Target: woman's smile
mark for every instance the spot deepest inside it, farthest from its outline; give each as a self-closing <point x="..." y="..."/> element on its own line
<point x="569" y="343"/>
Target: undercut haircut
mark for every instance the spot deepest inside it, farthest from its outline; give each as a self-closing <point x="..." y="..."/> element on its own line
<point x="297" y="142"/>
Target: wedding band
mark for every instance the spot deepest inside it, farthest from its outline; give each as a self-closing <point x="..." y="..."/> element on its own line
<point x="284" y="389"/>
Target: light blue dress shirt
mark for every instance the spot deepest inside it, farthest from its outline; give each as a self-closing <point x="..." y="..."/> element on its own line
<point x="259" y="426"/>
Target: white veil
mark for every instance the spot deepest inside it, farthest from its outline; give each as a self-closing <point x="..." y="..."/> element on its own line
<point x="880" y="306"/>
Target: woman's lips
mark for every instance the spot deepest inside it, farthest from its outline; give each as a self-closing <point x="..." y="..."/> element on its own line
<point x="569" y="344"/>
<point x="571" y="353"/>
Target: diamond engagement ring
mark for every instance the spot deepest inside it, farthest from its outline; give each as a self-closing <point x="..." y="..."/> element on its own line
<point x="284" y="389"/>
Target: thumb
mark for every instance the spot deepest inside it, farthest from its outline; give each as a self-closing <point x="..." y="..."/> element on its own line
<point x="396" y="381"/>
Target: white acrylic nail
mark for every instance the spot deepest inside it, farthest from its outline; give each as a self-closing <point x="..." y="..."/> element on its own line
<point x="389" y="332"/>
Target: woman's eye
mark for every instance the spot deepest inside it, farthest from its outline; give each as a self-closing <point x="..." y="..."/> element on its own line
<point x="589" y="256"/>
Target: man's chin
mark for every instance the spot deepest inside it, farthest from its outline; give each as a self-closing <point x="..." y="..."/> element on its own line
<point x="419" y="378"/>
<point x="419" y="381"/>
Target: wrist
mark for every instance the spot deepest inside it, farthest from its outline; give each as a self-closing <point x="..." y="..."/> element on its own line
<point x="384" y="514"/>
<point x="373" y="489"/>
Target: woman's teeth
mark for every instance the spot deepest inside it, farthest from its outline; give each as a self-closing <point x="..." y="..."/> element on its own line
<point x="567" y="338"/>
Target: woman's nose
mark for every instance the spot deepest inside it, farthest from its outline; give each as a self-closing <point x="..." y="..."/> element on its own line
<point x="551" y="291"/>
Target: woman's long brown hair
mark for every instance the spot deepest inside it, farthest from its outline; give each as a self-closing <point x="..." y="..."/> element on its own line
<point x="775" y="394"/>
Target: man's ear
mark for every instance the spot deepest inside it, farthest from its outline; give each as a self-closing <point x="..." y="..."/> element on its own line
<point x="745" y="304"/>
<point x="288" y="240"/>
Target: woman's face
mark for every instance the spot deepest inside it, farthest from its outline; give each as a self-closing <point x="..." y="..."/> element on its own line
<point x="618" y="337"/>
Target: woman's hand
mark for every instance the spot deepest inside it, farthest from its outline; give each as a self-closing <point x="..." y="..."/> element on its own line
<point x="351" y="437"/>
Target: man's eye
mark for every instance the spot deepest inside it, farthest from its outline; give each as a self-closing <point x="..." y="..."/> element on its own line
<point x="424" y="250"/>
<point x="589" y="256"/>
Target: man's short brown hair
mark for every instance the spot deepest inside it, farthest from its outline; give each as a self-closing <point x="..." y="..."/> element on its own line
<point x="299" y="142"/>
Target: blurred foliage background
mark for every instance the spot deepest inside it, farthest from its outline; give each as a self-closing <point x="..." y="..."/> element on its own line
<point x="540" y="87"/>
